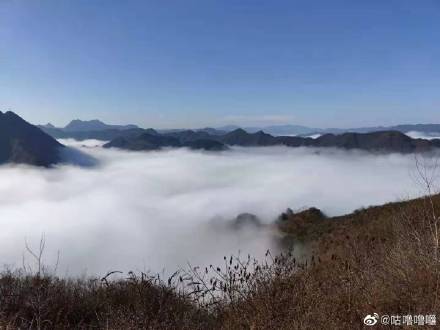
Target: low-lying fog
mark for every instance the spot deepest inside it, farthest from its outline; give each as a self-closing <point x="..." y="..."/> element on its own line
<point x="159" y="210"/>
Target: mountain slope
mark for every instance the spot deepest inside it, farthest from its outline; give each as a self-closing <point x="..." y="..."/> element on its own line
<point x="21" y="142"/>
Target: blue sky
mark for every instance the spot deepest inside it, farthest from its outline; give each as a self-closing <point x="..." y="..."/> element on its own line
<point x="197" y="63"/>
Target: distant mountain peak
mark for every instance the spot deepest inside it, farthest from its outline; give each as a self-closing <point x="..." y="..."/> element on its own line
<point x="239" y="131"/>
<point x="151" y="131"/>
<point x="261" y="133"/>
<point x="48" y="125"/>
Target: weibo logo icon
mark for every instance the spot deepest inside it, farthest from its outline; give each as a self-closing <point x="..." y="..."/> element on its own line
<point x="371" y="320"/>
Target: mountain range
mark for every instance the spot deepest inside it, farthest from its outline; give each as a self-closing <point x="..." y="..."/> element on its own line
<point x="90" y="129"/>
<point x="96" y="129"/>
<point x="131" y="137"/>
<point x="384" y="141"/>
<point x="22" y="142"/>
<point x="93" y="125"/>
<point x="78" y="125"/>
<point x="278" y="130"/>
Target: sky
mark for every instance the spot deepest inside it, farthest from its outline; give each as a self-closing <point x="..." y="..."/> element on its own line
<point x="197" y="63"/>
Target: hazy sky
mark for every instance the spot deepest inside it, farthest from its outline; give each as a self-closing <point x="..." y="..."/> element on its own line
<point x="194" y="63"/>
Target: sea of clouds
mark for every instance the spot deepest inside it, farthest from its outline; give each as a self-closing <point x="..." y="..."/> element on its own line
<point x="157" y="211"/>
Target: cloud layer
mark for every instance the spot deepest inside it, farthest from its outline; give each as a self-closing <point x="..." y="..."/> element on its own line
<point x="421" y="135"/>
<point x="155" y="211"/>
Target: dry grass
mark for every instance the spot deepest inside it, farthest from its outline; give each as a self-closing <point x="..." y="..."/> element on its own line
<point x="46" y="302"/>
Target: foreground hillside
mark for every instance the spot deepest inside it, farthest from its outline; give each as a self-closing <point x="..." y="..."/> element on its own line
<point x="381" y="260"/>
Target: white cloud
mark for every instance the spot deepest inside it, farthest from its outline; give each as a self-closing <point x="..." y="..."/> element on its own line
<point x="86" y="143"/>
<point x="150" y="211"/>
<point x="422" y="135"/>
<point x="314" y="136"/>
